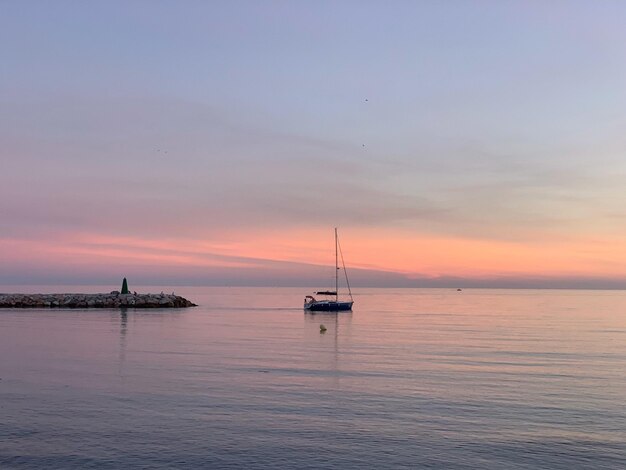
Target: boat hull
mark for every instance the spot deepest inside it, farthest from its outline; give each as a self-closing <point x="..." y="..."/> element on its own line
<point x="328" y="306"/>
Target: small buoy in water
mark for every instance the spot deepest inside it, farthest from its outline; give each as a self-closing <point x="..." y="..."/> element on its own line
<point x="322" y="329"/>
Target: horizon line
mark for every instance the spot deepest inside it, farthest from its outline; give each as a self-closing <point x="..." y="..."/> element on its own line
<point x="283" y="286"/>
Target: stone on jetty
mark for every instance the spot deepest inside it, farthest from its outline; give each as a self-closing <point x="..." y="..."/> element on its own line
<point x="112" y="300"/>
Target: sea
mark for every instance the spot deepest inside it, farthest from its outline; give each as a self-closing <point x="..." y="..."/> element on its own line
<point x="411" y="378"/>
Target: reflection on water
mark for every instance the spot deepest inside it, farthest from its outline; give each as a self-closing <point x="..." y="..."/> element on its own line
<point x="123" y="327"/>
<point x="412" y="378"/>
<point x="338" y="326"/>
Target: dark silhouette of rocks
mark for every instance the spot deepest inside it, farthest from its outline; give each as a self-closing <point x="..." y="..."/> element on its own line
<point x="112" y="300"/>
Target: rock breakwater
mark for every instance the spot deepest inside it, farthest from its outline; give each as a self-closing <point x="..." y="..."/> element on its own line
<point x="112" y="300"/>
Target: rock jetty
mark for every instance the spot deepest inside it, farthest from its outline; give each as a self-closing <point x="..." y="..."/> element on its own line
<point x="112" y="300"/>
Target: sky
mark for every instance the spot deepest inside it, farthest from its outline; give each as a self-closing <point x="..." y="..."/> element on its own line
<point x="454" y="144"/>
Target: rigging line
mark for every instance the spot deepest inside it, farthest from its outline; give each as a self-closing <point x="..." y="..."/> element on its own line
<point x="344" y="270"/>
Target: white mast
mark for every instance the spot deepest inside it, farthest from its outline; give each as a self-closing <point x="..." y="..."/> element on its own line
<point x="336" y="269"/>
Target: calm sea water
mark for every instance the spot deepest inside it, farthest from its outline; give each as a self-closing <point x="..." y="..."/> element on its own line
<point x="423" y="378"/>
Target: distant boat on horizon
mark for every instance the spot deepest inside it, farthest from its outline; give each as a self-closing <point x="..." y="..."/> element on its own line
<point x="328" y="304"/>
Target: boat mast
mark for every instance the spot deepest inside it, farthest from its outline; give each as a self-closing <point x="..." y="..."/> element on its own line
<point x="336" y="269"/>
<point x="343" y="264"/>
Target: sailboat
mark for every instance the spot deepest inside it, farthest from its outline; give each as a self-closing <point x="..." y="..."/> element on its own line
<point x="329" y="304"/>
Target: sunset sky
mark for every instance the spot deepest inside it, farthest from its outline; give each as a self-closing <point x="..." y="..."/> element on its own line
<point x="475" y="143"/>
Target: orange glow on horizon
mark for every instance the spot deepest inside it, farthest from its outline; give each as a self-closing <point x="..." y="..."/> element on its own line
<point x="430" y="256"/>
<point x="409" y="254"/>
